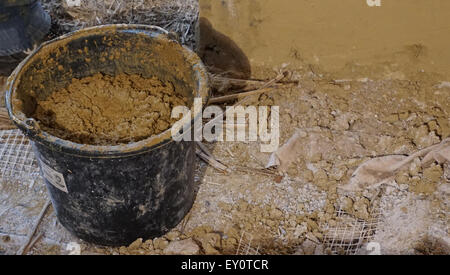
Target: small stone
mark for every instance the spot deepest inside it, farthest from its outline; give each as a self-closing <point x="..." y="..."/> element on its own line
<point x="160" y="243"/>
<point x="402" y="178"/>
<point x="341" y="123"/>
<point x="337" y="173"/>
<point x="319" y="250"/>
<point x="210" y="250"/>
<point x="148" y="244"/>
<point x="320" y="175"/>
<point x="183" y="247"/>
<point x="318" y="235"/>
<point x="271" y="223"/>
<point x="173" y="235"/>
<point x="210" y="241"/>
<point x="314" y="156"/>
<point x="242" y="205"/>
<point x="422" y="138"/>
<point x="300" y="230"/>
<point x="403" y="115"/>
<point x="361" y="209"/>
<point x="330" y="209"/>
<point x="308" y="175"/>
<point x="347" y="205"/>
<point x="433" y="173"/>
<point x="230" y="245"/>
<point x="123" y="250"/>
<point x="276" y="213"/>
<point x="225" y="206"/>
<point x="299" y="251"/>
<point x="390" y="190"/>
<point x="201" y="230"/>
<point x="278" y="178"/>
<point x="292" y="222"/>
<point x="391" y="118"/>
<point x="403" y="187"/>
<point x="415" y="167"/>
<point x="433" y="126"/>
<point x="308" y="247"/>
<point x="312" y="224"/>
<point x="135" y="245"/>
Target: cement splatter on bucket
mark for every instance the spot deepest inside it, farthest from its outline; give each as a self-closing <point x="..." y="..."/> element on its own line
<point x="111" y="195"/>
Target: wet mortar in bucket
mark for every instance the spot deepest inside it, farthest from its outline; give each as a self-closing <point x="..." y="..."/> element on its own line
<point x="106" y="110"/>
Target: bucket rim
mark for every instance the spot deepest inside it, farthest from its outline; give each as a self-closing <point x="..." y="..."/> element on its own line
<point x="150" y="143"/>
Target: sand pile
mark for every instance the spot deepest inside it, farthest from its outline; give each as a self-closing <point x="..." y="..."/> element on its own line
<point x="106" y="110"/>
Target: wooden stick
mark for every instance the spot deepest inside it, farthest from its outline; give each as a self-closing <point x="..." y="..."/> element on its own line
<point x="226" y="98"/>
<point x="245" y="99"/>
<point x="33" y="230"/>
<point x="256" y="170"/>
<point x="211" y="161"/>
<point x="279" y="77"/>
<point x="33" y="242"/>
<point x="244" y="82"/>
<point x="203" y="148"/>
<point x="262" y="89"/>
<point x="207" y="152"/>
<point x="236" y="81"/>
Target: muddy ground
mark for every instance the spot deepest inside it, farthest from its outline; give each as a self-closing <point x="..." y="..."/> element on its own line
<point x="345" y="122"/>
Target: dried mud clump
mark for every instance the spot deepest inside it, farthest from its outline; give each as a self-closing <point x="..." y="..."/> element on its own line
<point x="107" y="110"/>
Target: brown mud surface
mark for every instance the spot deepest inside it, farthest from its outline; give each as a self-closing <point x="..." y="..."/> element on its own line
<point x="347" y="118"/>
<point x="107" y="110"/>
<point x="345" y="121"/>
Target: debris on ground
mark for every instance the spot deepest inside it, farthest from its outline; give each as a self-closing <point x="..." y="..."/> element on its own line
<point x="333" y="132"/>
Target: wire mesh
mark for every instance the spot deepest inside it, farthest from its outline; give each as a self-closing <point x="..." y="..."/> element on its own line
<point x="17" y="161"/>
<point x="350" y="233"/>
<point x="245" y="245"/>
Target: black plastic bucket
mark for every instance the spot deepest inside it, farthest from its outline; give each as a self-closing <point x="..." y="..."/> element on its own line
<point x="111" y="195"/>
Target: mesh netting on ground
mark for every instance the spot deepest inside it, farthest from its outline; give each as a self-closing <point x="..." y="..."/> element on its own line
<point x="246" y="245"/>
<point x="350" y="234"/>
<point x="348" y="237"/>
<point x="17" y="161"/>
